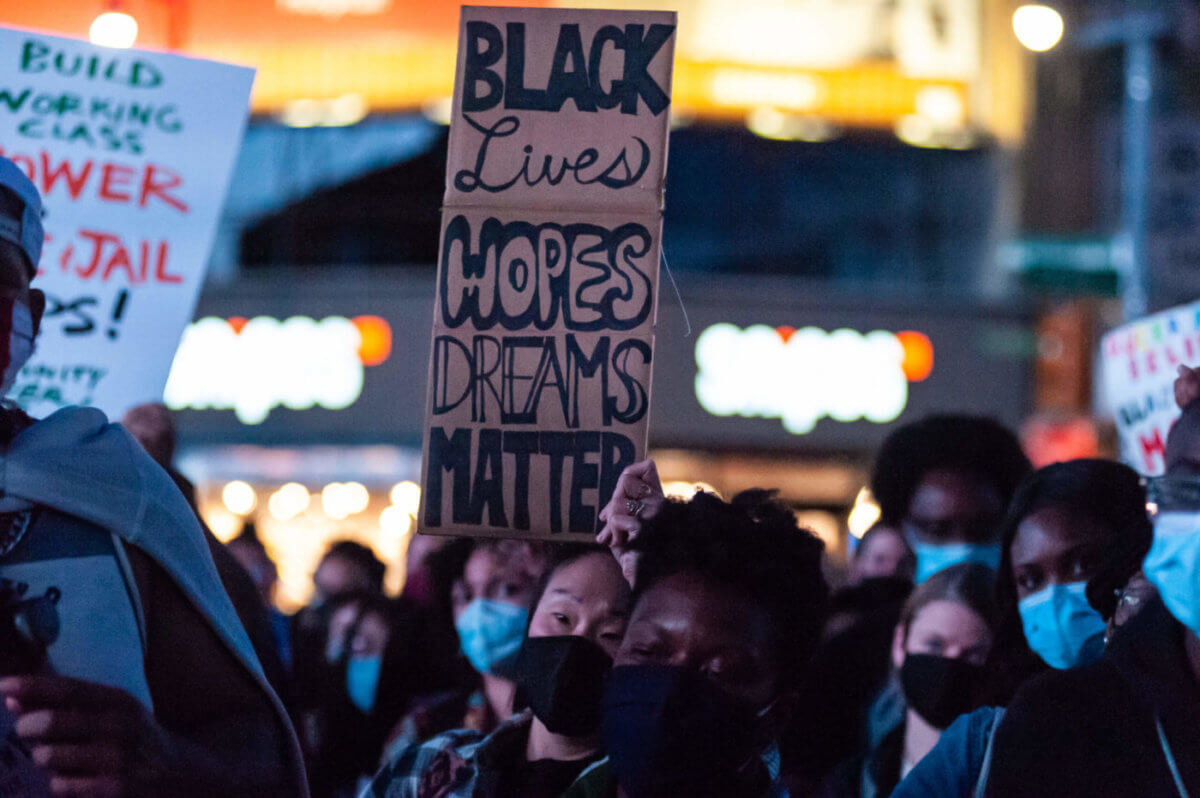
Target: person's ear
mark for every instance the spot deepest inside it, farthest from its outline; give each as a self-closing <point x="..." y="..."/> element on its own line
<point x="898" y="652"/>
<point x="37" y="308"/>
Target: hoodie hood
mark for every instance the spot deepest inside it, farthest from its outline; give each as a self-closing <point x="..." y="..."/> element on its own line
<point x="80" y="464"/>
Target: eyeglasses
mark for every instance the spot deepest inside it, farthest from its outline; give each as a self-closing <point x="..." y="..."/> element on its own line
<point x="970" y="530"/>
<point x="1172" y="494"/>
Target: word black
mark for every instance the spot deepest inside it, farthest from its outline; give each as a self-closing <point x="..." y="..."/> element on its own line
<point x="573" y="75"/>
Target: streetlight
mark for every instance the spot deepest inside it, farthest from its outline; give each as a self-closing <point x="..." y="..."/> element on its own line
<point x="1037" y="27"/>
<point x="113" y="28"/>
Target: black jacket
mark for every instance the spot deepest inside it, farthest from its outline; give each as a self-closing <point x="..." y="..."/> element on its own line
<point x="1095" y="731"/>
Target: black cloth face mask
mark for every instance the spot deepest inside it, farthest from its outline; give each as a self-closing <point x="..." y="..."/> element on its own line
<point x="563" y="680"/>
<point x="669" y="731"/>
<point x="939" y="688"/>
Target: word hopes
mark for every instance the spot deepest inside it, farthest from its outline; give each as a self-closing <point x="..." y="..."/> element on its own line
<point x="547" y="292"/>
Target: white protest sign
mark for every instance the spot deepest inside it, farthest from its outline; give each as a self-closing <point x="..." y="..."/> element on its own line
<point x="1139" y="363"/>
<point x="543" y="332"/>
<point x="132" y="152"/>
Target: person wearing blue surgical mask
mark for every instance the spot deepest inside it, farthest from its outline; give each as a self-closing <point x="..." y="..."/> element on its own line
<point x="1074" y="538"/>
<point x="490" y="602"/>
<point x="372" y="669"/>
<point x="945" y="482"/>
<point x="1076" y="532"/>
<point x="1126" y="725"/>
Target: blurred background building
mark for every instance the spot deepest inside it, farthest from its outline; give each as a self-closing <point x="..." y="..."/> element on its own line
<point x="963" y="181"/>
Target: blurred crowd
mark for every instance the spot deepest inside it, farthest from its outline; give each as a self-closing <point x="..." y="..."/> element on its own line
<point x="1000" y="631"/>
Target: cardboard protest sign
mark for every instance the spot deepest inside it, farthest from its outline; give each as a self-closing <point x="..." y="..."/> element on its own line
<point x="1139" y="363"/>
<point x="132" y="152"/>
<point x="543" y="334"/>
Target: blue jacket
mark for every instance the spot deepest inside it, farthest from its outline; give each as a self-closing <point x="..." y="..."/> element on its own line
<point x="953" y="767"/>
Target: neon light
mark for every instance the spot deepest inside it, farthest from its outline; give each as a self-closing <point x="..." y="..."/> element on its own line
<point x="253" y="366"/>
<point x="801" y="376"/>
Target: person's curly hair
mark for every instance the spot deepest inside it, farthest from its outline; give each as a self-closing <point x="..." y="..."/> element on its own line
<point x="979" y="446"/>
<point x="752" y="545"/>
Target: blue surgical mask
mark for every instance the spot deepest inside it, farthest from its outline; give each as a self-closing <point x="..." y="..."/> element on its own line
<point x="362" y="681"/>
<point x="1061" y="627"/>
<point x="1173" y="565"/>
<point x="491" y="633"/>
<point x="934" y="557"/>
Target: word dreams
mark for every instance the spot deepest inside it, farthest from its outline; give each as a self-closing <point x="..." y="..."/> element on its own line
<point x="575" y="73"/>
<point x="513" y="373"/>
<point x="497" y="487"/>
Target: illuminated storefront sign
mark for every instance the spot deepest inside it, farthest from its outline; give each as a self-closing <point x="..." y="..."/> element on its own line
<point x="801" y="376"/>
<point x="860" y="63"/>
<point x="253" y="366"/>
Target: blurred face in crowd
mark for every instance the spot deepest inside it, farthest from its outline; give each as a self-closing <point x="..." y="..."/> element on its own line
<point x="260" y="567"/>
<point x="685" y="620"/>
<point x="419" y="550"/>
<point x="952" y="507"/>
<point x="495" y="573"/>
<point x="340" y="624"/>
<point x="371" y="637"/>
<point x="944" y="629"/>
<point x="586" y="598"/>
<point x="883" y="553"/>
<point x="1053" y="548"/>
<point x="154" y="429"/>
<point x="337" y="576"/>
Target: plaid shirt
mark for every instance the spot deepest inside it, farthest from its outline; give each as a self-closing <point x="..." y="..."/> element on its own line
<point x="465" y="764"/>
<point x="457" y="764"/>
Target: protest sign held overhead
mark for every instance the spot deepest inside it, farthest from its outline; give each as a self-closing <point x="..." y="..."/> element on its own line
<point x="547" y="293"/>
<point x="132" y="152"/>
<point x="1139" y="363"/>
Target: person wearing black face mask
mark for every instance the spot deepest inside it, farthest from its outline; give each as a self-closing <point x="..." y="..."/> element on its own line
<point x="729" y="600"/>
<point x="939" y="649"/>
<point x="577" y="623"/>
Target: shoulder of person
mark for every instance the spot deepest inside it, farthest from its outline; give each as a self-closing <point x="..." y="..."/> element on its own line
<point x="596" y="781"/>
<point x="1059" y="693"/>
<point x="1063" y="731"/>
<point x="955" y="763"/>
